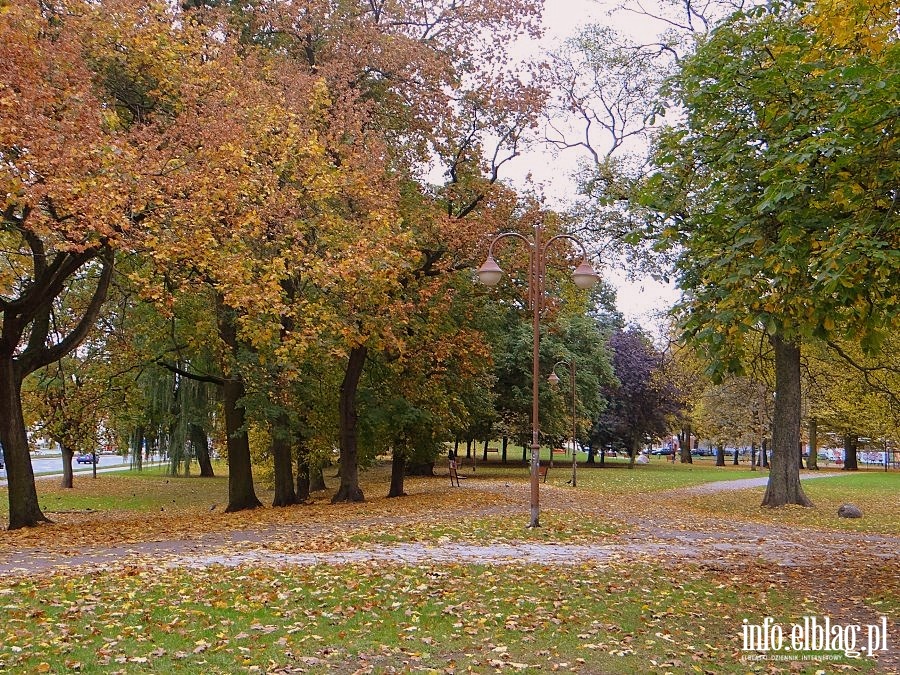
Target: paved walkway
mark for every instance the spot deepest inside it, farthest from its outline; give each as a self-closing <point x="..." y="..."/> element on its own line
<point x="746" y="483"/>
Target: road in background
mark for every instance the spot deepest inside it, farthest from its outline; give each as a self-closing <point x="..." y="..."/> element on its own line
<point x="51" y="464"/>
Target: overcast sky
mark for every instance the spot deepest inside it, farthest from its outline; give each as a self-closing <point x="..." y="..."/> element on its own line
<point x="637" y="300"/>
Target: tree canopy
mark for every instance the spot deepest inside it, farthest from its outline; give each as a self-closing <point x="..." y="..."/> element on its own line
<point x="778" y="194"/>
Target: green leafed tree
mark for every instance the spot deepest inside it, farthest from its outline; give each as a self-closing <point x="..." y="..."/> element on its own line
<point x="778" y="191"/>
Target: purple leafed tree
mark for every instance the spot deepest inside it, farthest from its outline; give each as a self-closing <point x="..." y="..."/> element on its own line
<point x="643" y="403"/>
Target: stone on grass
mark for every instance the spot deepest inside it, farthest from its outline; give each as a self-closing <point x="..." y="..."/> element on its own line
<point x="849" y="511"/>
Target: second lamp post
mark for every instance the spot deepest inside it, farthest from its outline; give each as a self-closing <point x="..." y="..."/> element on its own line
<point x="585" y="277"/>
<point x="553" y="379"/>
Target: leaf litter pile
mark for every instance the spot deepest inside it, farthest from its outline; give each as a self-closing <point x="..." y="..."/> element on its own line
<point x="642" y="606"/>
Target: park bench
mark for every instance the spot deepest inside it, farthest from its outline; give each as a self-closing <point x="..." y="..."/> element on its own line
<point x="542" y="473"/>
<point x="487" y="450"/>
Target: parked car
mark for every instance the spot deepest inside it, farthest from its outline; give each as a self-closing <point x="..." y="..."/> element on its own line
<point x="87" y="458"/>
<point x="662" y="451"/>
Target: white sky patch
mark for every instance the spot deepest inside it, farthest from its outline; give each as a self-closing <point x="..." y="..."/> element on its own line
<point x="552" y="171"/>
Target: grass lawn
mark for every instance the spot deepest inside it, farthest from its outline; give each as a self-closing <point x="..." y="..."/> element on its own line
<point x="628" y="614"/>
<point x="597" y="619"/>
<point x="149" y="490"/>
<point x="616" y="478"/>
<point x="875" y="492"/>
<point x="152" y="491"/>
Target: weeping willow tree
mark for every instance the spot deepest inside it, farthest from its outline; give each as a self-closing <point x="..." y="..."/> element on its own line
<point x="188" y="432"/>
<point x="176" y="421"/>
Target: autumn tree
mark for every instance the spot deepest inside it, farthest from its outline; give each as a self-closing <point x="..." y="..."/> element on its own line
<point x="267" y="200"/>
<point x="71" y="179"/>
<point x="371" y="93"/>
<point x="683" y="366"/>
<point x="70" y="399"/>
<point x="213" y="181"/>
<point x="733" y="412"/>
<point x="414" y="400"/>
<point x="428" y="85"/>
<point x="851" y="394"/>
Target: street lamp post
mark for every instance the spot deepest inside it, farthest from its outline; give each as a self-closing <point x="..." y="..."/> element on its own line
<point x="584" y="276"/>
<point x="554" y="380"/>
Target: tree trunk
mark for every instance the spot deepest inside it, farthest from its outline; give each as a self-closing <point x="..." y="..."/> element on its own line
<point x="241" y="494"/>
<point x="720" y="455"/>
<point x="503" y="445"/>
<point x="398" y="469"/>
<point x="31" y="311"/>
<point x="764" y="453"/>
<point x="590" y="454"/>
<point x="753" y="456"/>
<point x="784" y="476"/>
<point x="812" y="462"/>
<point x="137" y="448"/>
<point x="177" y="451"/>
<point x="684" y="445"/>
<point x="67" y="455"/>
<point x="316" y="479"/>
<point x="302" y="473"/>
<point x="485" y="454"/>
<point x="851" y="443"/>
<point x="200" y="442"/>
<point x="736" y="457"/>
<point x="349" y="490"/>
<point x="524" y="453"/>
<point x="24" y="510"/>
<point x="285" y="495"/>
<point x="469" y="449"/>
<point x="635" y="449"/>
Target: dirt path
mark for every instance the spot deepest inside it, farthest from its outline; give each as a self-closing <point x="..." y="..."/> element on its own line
<point x="696" y="540"/>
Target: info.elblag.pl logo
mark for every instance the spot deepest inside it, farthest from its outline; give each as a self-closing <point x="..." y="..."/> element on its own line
<point x="815" y="635"/>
